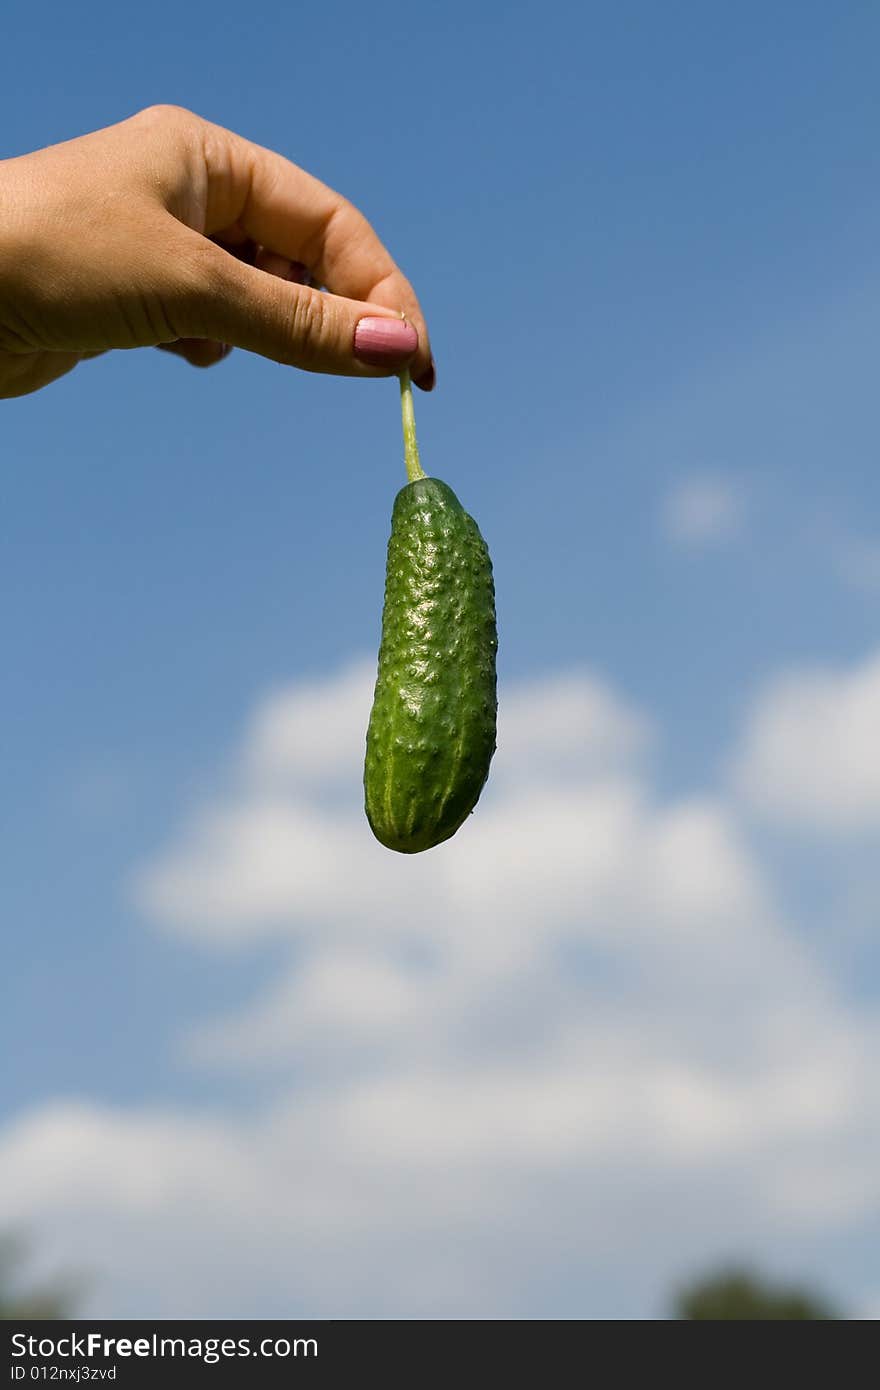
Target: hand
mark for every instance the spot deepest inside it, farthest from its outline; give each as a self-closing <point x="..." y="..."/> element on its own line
<point x="166" y="230"/>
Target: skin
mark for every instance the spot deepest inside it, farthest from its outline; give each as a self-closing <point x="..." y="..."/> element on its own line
<point x="168" y="231"/>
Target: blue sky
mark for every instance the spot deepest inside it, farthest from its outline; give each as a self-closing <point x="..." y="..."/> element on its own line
<point x="646" y="241"/>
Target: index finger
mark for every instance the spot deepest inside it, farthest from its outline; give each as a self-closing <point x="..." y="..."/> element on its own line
<point x="288" y="211"/>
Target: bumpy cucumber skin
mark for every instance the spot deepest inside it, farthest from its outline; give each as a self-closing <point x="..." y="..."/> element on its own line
<point x="432" y="727"/>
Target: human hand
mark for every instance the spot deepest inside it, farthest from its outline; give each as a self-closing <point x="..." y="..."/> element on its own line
<point x="168" y="231"/>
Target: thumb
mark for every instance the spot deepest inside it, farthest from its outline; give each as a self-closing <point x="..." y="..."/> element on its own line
<point x="232" y="302"/>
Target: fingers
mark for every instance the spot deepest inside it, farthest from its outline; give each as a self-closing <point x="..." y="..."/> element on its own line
<point x="22" y="373"/>
<point x="273" y="264"/>
<point x="293" y="215"/>
<point x="199" y="352"/>
<point x="203" y="352"/>
<point x="220" y="298"/>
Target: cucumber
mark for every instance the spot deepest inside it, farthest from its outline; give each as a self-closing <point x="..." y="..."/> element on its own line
<point x="432" y="728"/>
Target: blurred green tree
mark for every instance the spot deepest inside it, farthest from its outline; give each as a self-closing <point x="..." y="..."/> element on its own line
<point x="49" y="1301"/>
<point x="738" y="1294"/>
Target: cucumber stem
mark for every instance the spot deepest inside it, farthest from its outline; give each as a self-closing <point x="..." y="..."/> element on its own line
<point x="414" y="468"/>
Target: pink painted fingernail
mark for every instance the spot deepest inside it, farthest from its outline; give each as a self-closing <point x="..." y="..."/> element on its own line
<point x="385" y="342"/>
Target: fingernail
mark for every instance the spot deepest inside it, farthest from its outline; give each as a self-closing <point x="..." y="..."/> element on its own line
<point x="428" y="380"/>
<point x="384" y="342"/>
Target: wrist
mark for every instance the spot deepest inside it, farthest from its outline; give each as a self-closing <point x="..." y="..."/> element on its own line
<point x="21" y="369"/>
<point x="17" y="241"/>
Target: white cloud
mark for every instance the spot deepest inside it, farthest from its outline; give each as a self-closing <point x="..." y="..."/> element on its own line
<point x="341" y="1004"/>
<point x="452" y="1188"/>
<point x="567" y="726"/>
<point x="313" y="732"/>
<point x="870" y="1311"/>
<point x="277" y="856"/>
<point x="810" y="754"/>
<point x="577" y="1046"/>
<point x="704" y="509"/>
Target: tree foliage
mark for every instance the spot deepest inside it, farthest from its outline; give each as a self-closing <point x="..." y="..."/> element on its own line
<point x="738" y="1294"/>
<point x="19" y="1303"/>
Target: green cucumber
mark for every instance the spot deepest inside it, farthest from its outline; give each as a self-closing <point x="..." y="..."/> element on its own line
<point x="432" y="728"/>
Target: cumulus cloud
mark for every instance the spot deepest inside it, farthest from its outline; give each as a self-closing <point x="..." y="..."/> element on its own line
<point x="810" y="752"/>
<point x="454" y="1189"/>
<point x="703" y="509"/>
<point x="870" y="1311"/>
<point x="277" y="856"/>
<point x="568" y="726"/>
<point x="576" y="1047"/>
<point x="312" y="733"/>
